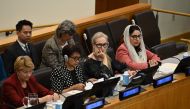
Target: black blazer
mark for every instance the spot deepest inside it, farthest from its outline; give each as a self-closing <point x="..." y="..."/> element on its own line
<point x="15" y="50"/>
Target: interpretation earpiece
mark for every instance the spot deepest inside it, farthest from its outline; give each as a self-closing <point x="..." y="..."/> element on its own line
<point x="66" y="58"/>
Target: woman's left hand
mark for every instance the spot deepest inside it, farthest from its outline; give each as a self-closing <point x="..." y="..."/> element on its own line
<point x="153" y="63"/>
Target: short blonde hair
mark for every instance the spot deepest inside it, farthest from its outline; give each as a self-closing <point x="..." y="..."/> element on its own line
<point x="23" y="63"/>
<point x="98" y="35"/>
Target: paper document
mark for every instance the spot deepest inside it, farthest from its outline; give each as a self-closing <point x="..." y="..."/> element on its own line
<point x="167" y="68"/>
<point x="72" y="92"/>
<point x="99" y="80"/>
<point x="88" y="86"/>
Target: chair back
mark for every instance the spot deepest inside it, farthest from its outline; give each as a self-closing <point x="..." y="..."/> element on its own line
<point x="150" y="30"/>
<point x="117" y="28"/>
<point x="43" y="76"/>
<point x="90" y="31"/>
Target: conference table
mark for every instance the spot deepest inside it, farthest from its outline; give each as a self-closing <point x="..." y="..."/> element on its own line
<point x="175" y="95"/>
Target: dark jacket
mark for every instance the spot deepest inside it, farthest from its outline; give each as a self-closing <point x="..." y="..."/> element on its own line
<point x="15" y="50"/>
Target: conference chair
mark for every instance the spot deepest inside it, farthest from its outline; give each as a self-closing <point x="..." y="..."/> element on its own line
<point x="43" y="76"/>
<point x="38" y="47"/>
<point x="90" y="31"/>
<point x="117" y="28"/>
<point x="1" y="84"/>
<point x="151" y="33"/>
<point x="166" y="50"/>
<point x="3" y="74"/>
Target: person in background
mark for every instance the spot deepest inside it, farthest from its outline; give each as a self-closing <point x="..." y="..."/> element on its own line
<point x="69" y="76"/>
<point x="99" y="64"/>
<point x="21" y="47"/>
<point x="52" y="51"/>
<point x="132" y="51"/>
<point x="22" y="82"/>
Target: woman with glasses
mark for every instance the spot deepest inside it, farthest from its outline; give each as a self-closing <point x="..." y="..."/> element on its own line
<point x="133" y="52"/>
<point x="69" y="76"/>
<point x="98" y="64"/>
<point x="21" y="83"/>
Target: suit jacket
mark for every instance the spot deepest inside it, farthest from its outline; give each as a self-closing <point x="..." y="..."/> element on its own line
<point x="52" y="53"/>
<point x="122" y="55"/>
<point x="15" y="50"/>
<point x="13" y="93"/>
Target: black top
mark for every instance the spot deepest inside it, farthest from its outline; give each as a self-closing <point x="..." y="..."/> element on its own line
<point x="95" y="69"/>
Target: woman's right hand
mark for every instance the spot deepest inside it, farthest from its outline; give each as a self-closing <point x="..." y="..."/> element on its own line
<point x="46" y="98"/>
<point x="79" y="86"/>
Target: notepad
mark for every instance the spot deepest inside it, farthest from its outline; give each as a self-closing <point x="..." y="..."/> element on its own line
<point x="167" y="68"/>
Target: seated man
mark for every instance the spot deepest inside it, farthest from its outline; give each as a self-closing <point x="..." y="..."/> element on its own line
<point x="21" y="47"/>
<point x="21" y="83"/>
<point x="52" y="51"/>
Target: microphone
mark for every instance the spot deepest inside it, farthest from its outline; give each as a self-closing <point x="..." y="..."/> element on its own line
<point x="85" y="38"/>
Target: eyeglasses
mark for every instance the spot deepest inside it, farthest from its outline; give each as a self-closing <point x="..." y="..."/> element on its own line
<point x="105" y="45"/>
<point x="76" y="58"/>
<point x="136" y="37"/>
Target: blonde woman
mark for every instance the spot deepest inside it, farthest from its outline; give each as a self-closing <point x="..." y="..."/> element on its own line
<point x="98" y="64"/>
<point x="20" y="83"/>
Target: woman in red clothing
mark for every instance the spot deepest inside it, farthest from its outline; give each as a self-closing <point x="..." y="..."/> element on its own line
<point x="19" y="84"/>
<point x="133" y="52"/>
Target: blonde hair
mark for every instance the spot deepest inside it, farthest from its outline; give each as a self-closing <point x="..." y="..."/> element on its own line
<point x="100" y="35"/>
<point x="23" y="63"/>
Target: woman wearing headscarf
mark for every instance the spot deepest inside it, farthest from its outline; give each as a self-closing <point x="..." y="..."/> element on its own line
<point x="133" y="52"/>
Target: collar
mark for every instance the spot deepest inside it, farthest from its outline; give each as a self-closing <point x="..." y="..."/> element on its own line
<point x="21" y="44"/>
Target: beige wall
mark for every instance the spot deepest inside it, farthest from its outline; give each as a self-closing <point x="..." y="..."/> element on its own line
<point x="43" y="11"/>
<point x="54" y="11"/>
<point x="172" y="25"/>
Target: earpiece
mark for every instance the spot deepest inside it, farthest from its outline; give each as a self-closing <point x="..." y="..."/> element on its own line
<point x="66" y="58"/>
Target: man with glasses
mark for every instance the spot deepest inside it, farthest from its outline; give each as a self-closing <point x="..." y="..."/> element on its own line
<point x="21" y="47"/>
<point x="52" y="51"/>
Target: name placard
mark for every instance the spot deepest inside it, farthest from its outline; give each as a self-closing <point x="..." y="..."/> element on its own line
<point x="124" y="94"/>
<point x="162" y="81"/>
<point x="95" y="104"/>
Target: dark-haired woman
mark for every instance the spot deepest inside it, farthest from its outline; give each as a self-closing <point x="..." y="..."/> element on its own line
<point x="133" y="52"/>
<point x="68" y="76"/>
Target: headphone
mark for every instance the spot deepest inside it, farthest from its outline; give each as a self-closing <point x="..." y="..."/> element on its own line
<point x="66" y="58"/>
